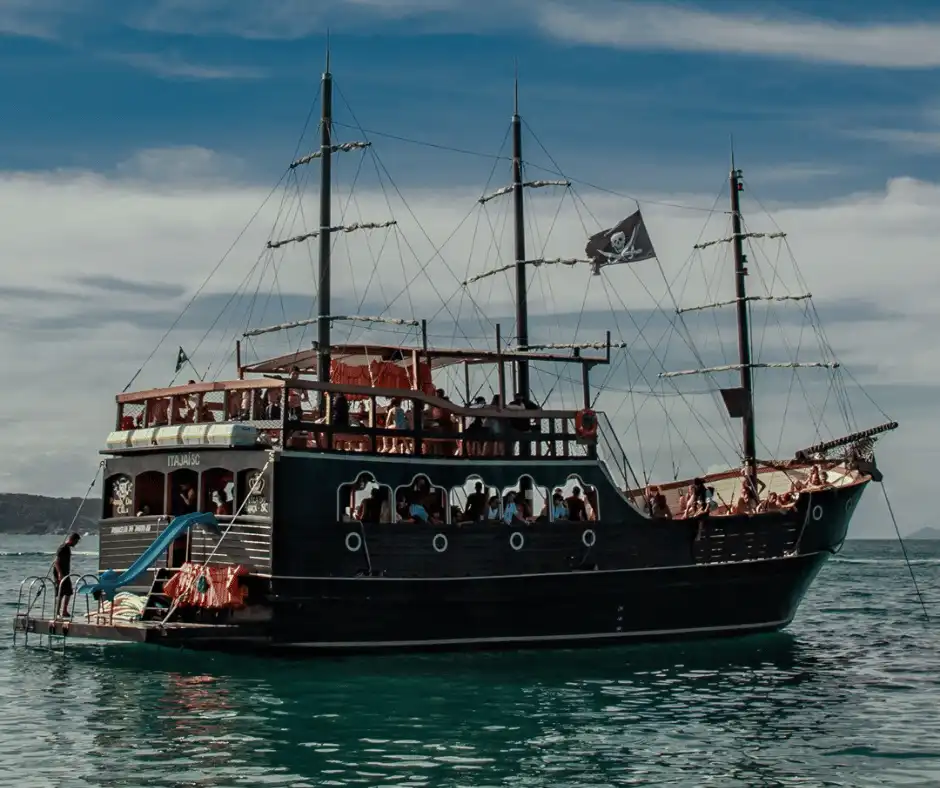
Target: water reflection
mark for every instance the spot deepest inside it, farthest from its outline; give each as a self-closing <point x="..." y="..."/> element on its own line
<point x="585" y="718"/>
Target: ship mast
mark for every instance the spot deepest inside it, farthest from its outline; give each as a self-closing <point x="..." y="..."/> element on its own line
<point x="744" y="336"/>
<point x="522" y="307"/>
<point x="323" y="290"/>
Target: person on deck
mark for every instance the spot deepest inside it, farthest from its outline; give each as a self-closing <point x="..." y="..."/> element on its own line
<point x="576" y="508"/>
<point x="61" y="569"/>
<point x="476" y="504"/>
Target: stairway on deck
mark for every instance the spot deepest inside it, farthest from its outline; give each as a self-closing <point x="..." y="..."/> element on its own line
<point x="158" y="603"/>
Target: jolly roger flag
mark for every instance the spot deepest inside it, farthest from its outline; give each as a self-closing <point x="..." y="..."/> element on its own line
<point x="625" y="242"/>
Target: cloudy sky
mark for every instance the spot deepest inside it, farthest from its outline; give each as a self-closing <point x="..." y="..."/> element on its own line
<point x="139" y="144"/>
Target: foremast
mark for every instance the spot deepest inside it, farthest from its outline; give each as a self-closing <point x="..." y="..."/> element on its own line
<point x="326" y="198"/>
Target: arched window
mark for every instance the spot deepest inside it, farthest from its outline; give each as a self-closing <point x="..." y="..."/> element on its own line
<point x="364" y="499"/>
<point x="421" y="501"/>
<point x="184" y="491"/>
<point x="150" y="494"/>
<point x="524" y="501"/>
<point x="580" y="500"/>
<point x="218" y="491"/>
<point x="474" y="500"/>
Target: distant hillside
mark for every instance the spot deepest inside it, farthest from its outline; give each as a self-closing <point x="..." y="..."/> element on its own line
<point x="926" y="533"/>
<point x="37" y="514"/>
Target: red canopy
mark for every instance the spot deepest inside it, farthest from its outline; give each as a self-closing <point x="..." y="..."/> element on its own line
<point x="382" y="374"/>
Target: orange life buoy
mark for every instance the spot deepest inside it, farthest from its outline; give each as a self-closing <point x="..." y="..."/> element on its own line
<point x="585" y="426"/>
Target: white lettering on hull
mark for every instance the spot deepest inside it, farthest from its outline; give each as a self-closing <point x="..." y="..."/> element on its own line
<point x="183" y="460"/>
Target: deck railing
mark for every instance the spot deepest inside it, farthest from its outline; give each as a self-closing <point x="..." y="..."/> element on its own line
<point x="302" y="415"/>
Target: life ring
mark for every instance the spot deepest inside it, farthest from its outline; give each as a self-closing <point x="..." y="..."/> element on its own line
<point x="439" y="543"/>
<point x="588" y="538"/>
<point x="817" y="512"/>
<point x="514" y="543"/>
<point x="585" y="425"/>
<point x="353" y="542"/>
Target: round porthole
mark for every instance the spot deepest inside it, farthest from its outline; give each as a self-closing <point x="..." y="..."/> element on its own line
<point x="439" y="543"/>
<point x="353" y="542"/>
<point x="588" y="538"/>
<point x="817" y="512"/>
<point x="516" y="541"/>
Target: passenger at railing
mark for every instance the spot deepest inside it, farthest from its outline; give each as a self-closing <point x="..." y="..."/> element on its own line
<point x="179" y="404"/>
<point x="159" y="412"/>
<point x="371" y="511"/>
<point x="559" y="510"/>
<point x="474" y="432"/>
<point x="296" y="397"/>
<point x="742" y="504"/>
<point x="818" y="479"/>
<point x="684" y="501"/>
<point x="339" y="414"/>
<point x="495" y="447"/>
<point x="395" y="419"/>
<point x="272" y="404"/>
<point x="659" y="507"/>
<point x="185" y="501"/>
<point x="590" y="496"/>
<point x="144" y="511"/>
<point x="747" y="485"/>
<point x="402" y="514"/>
<point x="576" y="508"/>
<point x="770" y="504"/>
<point x="524" y="425"/>
<point x="223" y="504"/>
<point x="476" y="504"/>
<point x="710" y="499"/>
<point x="697" y="505"/>
<point x="492" y="509"/>
<point x="511" y="513"/>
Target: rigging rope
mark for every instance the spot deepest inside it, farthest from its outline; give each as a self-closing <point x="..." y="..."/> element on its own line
<point x="904" y="551"/>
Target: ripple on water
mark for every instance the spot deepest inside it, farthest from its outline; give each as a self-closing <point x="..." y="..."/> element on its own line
<point x="848" y="697"/>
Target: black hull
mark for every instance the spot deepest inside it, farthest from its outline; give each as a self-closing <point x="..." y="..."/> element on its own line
<point x="331" y="587"/>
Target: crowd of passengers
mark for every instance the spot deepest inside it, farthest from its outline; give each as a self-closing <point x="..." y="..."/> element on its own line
<point x="420" y="503"/>
<point x="484" y="436"/>
<point x="699" y="500"/>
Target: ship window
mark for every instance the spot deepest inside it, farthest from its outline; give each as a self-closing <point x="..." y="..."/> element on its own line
<point x="120" y="496"/>
<point x="366" y="500"/>
<point x="421" y="501"/>
<point x="150" y="494"/>
<point x="530" y="500"/>
<point x="184" y="485"/>
<point x="466" y="502"/>
<point x="580" y="499"/>
<point x="218" y="491"/>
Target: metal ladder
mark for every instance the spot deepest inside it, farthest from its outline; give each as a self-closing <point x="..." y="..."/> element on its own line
<point x="153" y="611"/>
<point x="56" y="628"/>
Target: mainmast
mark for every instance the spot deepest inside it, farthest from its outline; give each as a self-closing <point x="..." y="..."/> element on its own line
<point x="744" y="336"/>
<point x="522" y="307"/>
<point x="323" y="290"/>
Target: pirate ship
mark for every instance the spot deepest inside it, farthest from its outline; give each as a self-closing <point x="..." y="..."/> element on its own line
<point x="335" y="498"/>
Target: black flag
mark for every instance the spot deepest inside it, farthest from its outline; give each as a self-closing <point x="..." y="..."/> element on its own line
<point x="625" y="242"/>
<point x="181" y="358"/>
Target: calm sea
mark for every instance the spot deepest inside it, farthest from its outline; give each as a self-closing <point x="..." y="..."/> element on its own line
<point x="850" y="695"/>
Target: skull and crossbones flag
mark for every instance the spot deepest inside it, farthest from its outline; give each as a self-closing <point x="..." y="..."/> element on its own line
<point x="626" y="242"/>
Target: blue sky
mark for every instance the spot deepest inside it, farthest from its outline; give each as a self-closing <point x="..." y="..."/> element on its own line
<point x="86" y="83"/>
<point x="138" y="137"/>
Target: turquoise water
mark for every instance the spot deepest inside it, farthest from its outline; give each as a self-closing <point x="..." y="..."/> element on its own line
<point x="850" y="695"/>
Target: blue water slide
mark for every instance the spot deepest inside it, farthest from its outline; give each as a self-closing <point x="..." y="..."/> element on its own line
<point x="110" y="580"/>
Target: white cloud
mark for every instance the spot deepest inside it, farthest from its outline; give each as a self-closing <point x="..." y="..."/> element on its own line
<point x="173" y="65"/>
<point x="104" y="264"/>
<point x="689" y="29"/>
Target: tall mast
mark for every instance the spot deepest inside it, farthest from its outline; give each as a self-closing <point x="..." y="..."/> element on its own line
<point x="326" y="141"/>
<point x="744" y="336"/>
<point x="522" y="306"/>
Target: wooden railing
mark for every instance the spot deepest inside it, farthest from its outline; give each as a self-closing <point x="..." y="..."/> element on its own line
<point x="271" y="405"/>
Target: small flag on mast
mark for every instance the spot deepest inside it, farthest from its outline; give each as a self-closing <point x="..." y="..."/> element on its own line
<point x="626" y="242"/>
<point x="181" y="358"/>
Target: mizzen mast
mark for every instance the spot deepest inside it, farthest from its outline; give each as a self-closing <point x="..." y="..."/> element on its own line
<point x="323" y="285"/>
<point x="522" y="305"/>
